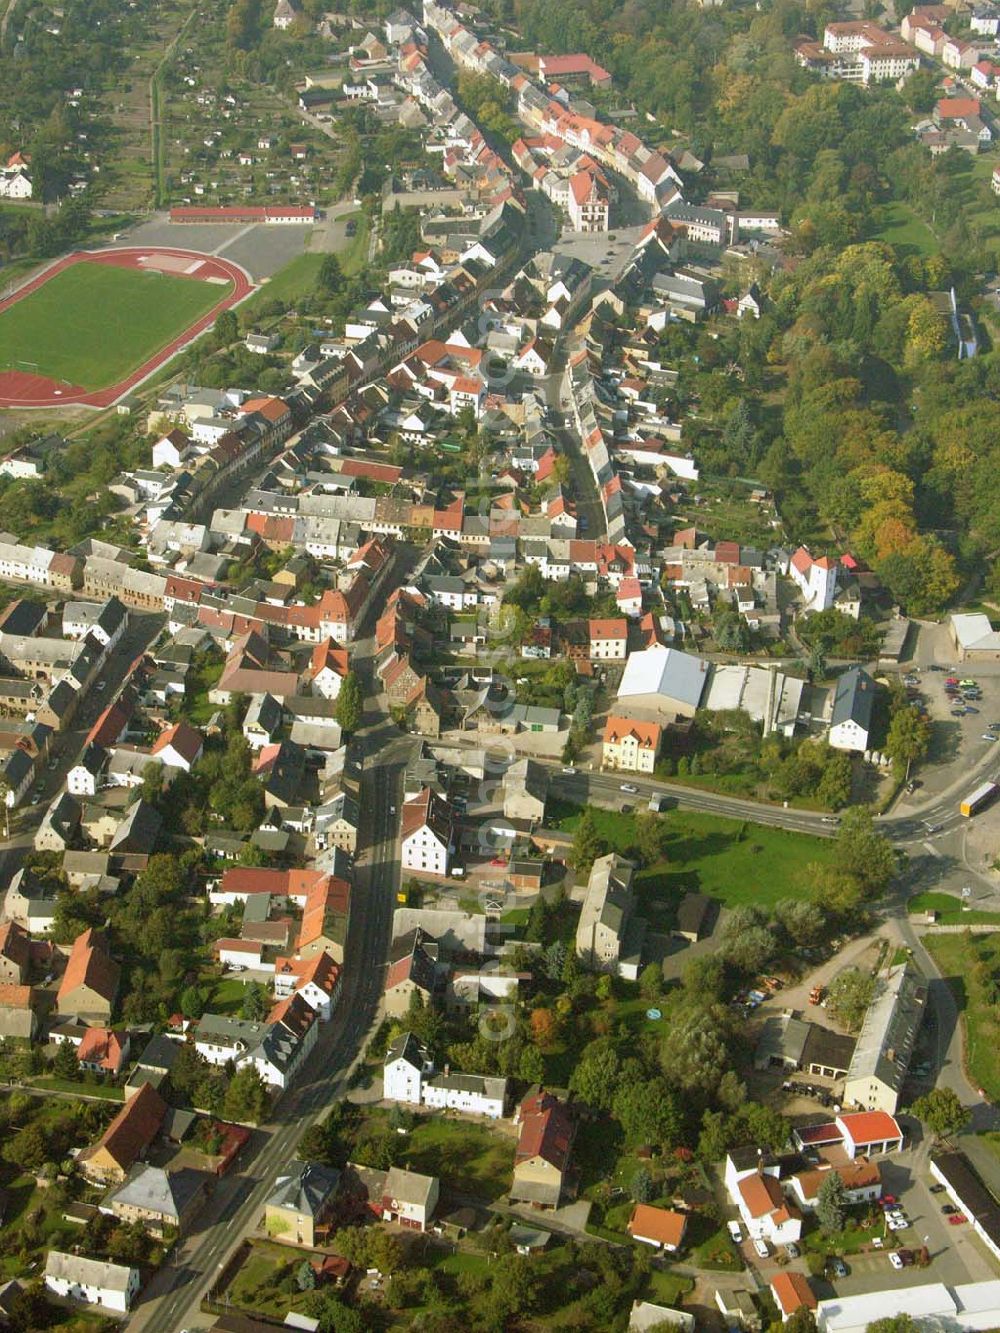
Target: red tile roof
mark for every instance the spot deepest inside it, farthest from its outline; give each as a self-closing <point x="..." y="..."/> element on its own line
<point x="869" y="1126"/>
<point x="183" y="738"/>
<point x="133" y="1128"/>
<point x="546" y="1130"/>
<point x="89" y="964"/>
<point x="646" y="733"/>
<point x="15" y="945"/>
<point x="659" y="1224"/>
<point x="792" y="1291"/>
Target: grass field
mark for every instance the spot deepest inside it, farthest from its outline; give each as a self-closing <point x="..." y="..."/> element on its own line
<point x="969" y="965"/>
<point x="950" y="911"/>
<point x="900" y="227"/>
<point x="93" y="323"/>
<point x="728" y="860"/>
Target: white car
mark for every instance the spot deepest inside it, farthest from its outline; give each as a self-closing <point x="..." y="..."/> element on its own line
<point x="897" y="1223"/>
<point x="629" y="787"/>
<point x="734" y="1231"/>
<point x="760" y="1246"/>
<point x="895" y="1260"/>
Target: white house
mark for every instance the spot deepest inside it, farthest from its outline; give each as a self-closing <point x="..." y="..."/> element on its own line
<point x="752" y="1182"/>
<point x="409" y="1077"/>
<point x="15" y="183"/>
<point x="112" y="1286"/>
<point x="180" y="746"/>
<point x="850" y="721"/>
<point x="426" y="834"/>
<point x="608" y="640"/>
<point x="816" y="579"/>
<point x="862" y="1181"/>
<point x="171" y="450"/>
<point x="82" y="778"/>
<point x="327" y="669"/>
<point x="406" y="1067"/>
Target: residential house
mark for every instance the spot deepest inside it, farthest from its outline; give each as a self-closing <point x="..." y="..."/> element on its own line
<point x="15" y="950"/>
<point x="609" y="935"/>
<point x="630" y="746"/>
<point x="103" y="1051"/>
<point x="815" y="579"/>
<point x="853" y="701"/>
<point x="856" y="1133"/>
<point x="89" y="985"/>
<point x="544" y="1148"/>
<point x="525" y="786"/>
<point x="608" y="640"/>
<point x="180" y="746"/>
<point x="91" y="1281"/>
<point x="659" y="1227"/>
<point x="161" y="1201"/>
<point x="409" y="1198"/>
<point x="18" y="1012"/>
<point x="792" y="1292"/>
<point x="316" y="979"/>
<point x="426" y="834"/>
<point x="413" y="971"/>
<point x="126" y="1139"/>
<point x="300" y="1205"/>
<point x="751" y="1178"/>
<point x="409" y="1077"/>
<point x="862" y="1181"/>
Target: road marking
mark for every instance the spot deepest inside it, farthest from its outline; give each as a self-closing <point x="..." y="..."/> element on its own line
<point x="933" y="850"/>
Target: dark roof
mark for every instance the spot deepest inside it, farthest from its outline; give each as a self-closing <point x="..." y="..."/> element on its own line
<point x="977" y="1201"/>
<point x="692" y="912"/>
<point x="160" y="1053"/>
<point x="824" y="1047"/>
<point x="853" y="698"/>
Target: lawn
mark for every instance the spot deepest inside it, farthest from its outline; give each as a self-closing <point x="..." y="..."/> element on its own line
<point x="468" y="1157"/>
<point x="969" y="965"/>
<point x="727" y="859"/>
<point x="296" y="279"/>
<point x="950" y="910"/>
<point x="899" y="226"/>
<point x="93" y="323"/>
<point x="264" y="1282"/>
<point x="228" y="995"/>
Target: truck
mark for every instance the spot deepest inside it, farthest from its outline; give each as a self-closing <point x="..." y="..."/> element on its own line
<point x="657" y="801"/>
<point x="978" y="800"/>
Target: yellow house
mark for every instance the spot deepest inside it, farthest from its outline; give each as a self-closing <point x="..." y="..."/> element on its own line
<point x="298" y="1208"/>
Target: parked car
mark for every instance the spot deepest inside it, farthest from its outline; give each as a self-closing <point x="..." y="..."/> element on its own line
<point x="735" y="1231"/>
<point x="958" y="712"/>
<point x="987" y="736"/>
<point x="937" y="1189"/>
<point x="629" y="787"/>
<point x="760" y="1245"/>
<point x="837" y="1268"/>
<point x="957" y="1219"/>
<point x="792" y="1250"/>
<point x="895" y="1260"/>
<point x="948" y="1209"/>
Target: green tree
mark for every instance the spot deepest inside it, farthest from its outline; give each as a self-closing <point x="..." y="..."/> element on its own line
<point x="350" y="703"/>
<point x="641" y="1185"/>
<point x="305" y="1276"/>
<point x="899" y="1323"/>
<point x="588" y="844"/>
<point x="226" y="329"/>
<point x="831" y="1203"/>
<point x="64" y="1063"/>
<point x="863" y="852"/>
<point x="255" y="1002"/>
<point x="849" y="996"/>
<point x="651" y="835"/>
<point x="192" y="1002"/>
<point x="330" y="277"/>
<point x="651" y="981"/>
<point x="909" y="737"/>
<point x="595" y="1075"/>
<point x="942" y="1112"/>
<point x="649" y="1112"/>
<point x="246" y="1098"/>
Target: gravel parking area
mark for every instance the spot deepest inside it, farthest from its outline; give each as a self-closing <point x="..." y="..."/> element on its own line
<point x="261" y="250"/>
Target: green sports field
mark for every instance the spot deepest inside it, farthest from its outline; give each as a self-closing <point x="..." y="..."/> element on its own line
<point x="91" y="324"/>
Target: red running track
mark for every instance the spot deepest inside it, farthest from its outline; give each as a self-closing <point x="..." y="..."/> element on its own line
<point x="20" y="389"/>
